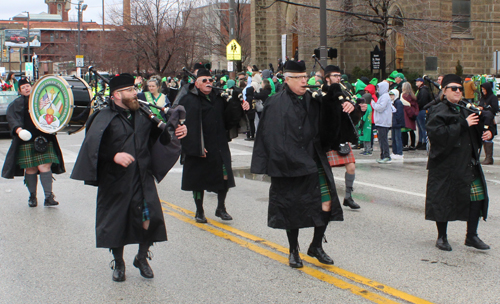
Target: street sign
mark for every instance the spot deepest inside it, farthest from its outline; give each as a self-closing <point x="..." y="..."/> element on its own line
<point x="233" y="50"/>
<point x="230" y="67"/>
<point x="79" y="61"/>
<point x="376" y="58"/>
<point x="28" y="69"/>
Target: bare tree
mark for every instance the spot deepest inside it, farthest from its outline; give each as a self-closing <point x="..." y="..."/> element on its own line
<point x="212" y="22"/>
<point x="156" y="35"/>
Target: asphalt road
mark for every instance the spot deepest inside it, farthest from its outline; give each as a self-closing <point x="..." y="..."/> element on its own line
<point x="383" y="252"/>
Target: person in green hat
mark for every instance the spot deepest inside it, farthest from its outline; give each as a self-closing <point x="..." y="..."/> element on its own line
<point x="400" y="79"/>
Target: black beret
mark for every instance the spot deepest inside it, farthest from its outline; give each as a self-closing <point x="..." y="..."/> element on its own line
<point x="295" y="66"/>
<point x="203" y="72"/>
<point x="331" y="68"/>
<point x="198" y="66"/>
<point x="450" y="78"/>
<point x="23" y="81"/>
<point x="121" y="81"/>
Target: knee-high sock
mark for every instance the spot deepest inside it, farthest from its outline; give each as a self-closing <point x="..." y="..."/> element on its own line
<point x="293" y="238"/>
<point x="221" y="199"/>
<point x="46" y="180"/>
<point x="349" y="182"/>
<point x="117" y="254"/>
<point x="31" y="181"/>
<point x="442" y="227"/>
<point x="474" y="214"/>
<point x="143" y="250"/>
<point x="319" y="232"/>
<point x="198" y="199"/>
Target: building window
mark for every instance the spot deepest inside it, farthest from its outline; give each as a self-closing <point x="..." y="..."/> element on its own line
<point x="51" y="37"/>
<point x="57" y="35"/>
<point x="461" y="16"/>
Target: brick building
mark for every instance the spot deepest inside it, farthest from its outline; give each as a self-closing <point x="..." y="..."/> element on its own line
<point x="460" y="38"/>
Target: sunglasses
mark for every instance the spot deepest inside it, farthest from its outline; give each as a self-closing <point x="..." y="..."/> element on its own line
<point x="209" y="80"/>
<point x="455" y="88"/>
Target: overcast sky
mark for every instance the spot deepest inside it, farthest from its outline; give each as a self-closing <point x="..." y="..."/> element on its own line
<point x="93" y="11"/>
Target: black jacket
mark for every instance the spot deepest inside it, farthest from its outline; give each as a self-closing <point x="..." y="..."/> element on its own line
<point x="18" y="117"/>
<point x="423" y="97"/>
<point x="208" y="122"/>
<point x="453" y="163"/>
<point x="122" y="191"/>
<point x="288" y="147"/>
<point x="489" y="103"/>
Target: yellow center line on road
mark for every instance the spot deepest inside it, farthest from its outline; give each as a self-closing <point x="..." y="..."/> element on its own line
<point x="284" y="260"/>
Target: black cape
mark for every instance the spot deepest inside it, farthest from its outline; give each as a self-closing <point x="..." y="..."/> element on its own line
<point x="16" y="115"/>
<point x="208" y="122"/>
<point x="453" y="163"/>
<point x="122" y="192"/>
<point x="288" y="147"/>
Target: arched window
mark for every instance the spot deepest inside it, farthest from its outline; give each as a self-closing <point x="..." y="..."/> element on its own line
<point x="461" y="16"/>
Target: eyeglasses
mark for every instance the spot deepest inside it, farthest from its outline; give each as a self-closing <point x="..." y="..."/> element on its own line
<point x="129" y="89"/>
<point x="304" y="77"/>
<point x="335" y="75"/>
<point x="455" y="88"/>
<point x="207" y="79"/>
<point x="318" y="75"/>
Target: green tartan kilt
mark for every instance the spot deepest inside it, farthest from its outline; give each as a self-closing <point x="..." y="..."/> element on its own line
<point x="28" y="157"/>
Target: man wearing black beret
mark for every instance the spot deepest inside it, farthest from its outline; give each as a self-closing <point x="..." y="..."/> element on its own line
<point x="116" y="157"/>
<point x="290" y="147"/>
<point x="456" y="186"/>
<point x="207" y="159"/>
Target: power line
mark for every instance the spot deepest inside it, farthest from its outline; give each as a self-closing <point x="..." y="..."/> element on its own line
<point x="376" y="16"/>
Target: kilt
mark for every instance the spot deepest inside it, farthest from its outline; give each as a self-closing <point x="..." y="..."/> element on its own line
<point x="477" y="190"/>
<point x="28" y="157"/>
<point x="337" y="160"/>
<point x="325" y="190"/>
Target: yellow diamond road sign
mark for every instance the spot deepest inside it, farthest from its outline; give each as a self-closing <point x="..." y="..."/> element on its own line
<point x="233" y="50"/>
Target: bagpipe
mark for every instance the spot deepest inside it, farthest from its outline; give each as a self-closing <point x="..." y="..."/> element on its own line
<point x="342" y="94"/>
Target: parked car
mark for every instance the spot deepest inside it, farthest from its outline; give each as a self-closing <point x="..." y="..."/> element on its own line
<point x="5" y="99"/>
<point x="17" y="38"/>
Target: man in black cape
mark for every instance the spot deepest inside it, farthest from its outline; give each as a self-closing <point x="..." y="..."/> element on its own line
<point x="116" y="157"/>
<point x="207" y="159"/>
<point x="295" y="132"/>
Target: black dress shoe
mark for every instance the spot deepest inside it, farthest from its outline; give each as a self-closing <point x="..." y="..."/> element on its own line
<point x="351" y="203"/>
<point x="405" y="148"/>
<point x="442" y="243"/>
<point x="476" y="242"/>
<point x="143" y="265"/>
<point x="320" y="254"/>
<point x="294" y="259"/>
<point x="32" y="202"/>
<point x="223" y="214"/>
<point x="118" y="270"/>
<point x="49" y="201"/>
<point x="200" y="217"/>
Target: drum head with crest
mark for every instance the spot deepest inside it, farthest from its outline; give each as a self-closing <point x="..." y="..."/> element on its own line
<point x="60" y="104"/>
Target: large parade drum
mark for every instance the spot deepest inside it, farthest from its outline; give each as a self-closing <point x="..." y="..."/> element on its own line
<point x="60" y="104"/>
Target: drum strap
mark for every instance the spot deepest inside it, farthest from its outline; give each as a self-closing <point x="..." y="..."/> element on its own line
<point x="150" y="99"/>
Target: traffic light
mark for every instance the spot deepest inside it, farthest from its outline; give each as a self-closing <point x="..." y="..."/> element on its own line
<point x="332" y="53"/>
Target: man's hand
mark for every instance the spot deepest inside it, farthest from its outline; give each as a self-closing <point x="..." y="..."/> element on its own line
<point x="487" y="135"/>
<point x="123" y="159"/>
<point x="245" y="105"/>
<point x="23" y="134"/>
<point x="181" y="131"/>
<point x="205" y="153"/>
<point x="347" y="107"/>
<point x="472" y="119"/>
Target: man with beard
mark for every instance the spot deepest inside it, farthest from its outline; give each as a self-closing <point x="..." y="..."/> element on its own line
<point x="207" y="159"/>
<point x="23" y="158"/>
<point x="295" y="132"/>
<point x="116" y="157"/>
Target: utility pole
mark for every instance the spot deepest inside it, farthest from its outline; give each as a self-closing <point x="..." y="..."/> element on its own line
<point x="80" y="8"/>
<point x="322" y="33"/>
<point x="28" y="36"/>
<point x="231" y="19"/>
